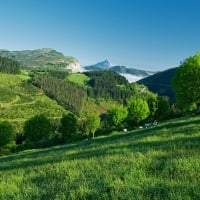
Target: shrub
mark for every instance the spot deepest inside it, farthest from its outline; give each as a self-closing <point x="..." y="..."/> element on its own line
<point x="37" y="128"/>
<point x="7" y="133"/>
<point x="69" y="125"/>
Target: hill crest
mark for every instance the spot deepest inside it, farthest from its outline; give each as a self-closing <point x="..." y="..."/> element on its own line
<point x="43" y="58"/>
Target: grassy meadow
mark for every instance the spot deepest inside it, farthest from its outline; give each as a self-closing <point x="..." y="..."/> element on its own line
<point x="78" y="78"/>
<point x="19" y="101"/>
<point x="154" y="163"/>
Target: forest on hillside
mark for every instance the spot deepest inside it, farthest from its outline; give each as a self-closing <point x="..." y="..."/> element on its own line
<point x="130" y="104"/>
<point x="9" y="66"/>
<point x="64" y="92"/>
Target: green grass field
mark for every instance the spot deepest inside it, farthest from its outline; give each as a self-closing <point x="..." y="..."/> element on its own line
<point x="154" y="163"/>
<point x="20" y="101"/>
<point x="78" y="78"/>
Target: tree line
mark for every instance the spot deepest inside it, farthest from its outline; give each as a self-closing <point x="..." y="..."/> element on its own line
<point x="40" y="131"/>
<point x="137" y="105"/>
<point x="67" y="94"/>
<point x="108" y="85"/>
<point x="9" y="66"/>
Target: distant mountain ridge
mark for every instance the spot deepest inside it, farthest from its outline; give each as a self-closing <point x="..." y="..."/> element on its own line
<point x="131" y="74"/>
<point x="43" y="58"/>
<point x="160" y="83"/>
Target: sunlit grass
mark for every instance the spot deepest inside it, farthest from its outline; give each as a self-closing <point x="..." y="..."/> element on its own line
<point x="19" y="101"/>
<point x="155" y="163"/>
<point x="78" y="78"/>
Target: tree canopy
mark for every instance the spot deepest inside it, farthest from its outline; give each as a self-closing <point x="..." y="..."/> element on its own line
<point x="116" y="115"/>
<point x="69" y="125"/>
<point x="9" y="66"/>
<point x="163" y="108"/>
<point x="37" y="128"/>
<point x="6" y="133"/>
<point x="108" y="85"/>
<point x="138" y="109"/>
<point x="186" y="82"/>
<point x="64" y="92"/>
<point x="90" y="123"/>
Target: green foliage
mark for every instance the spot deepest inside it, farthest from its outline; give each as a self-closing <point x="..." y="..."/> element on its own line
<point x="20" y="100"/>
<point x="116" y="115"/>
<point x="144" y="164"/>
<point x="186" y="82"/>
<point x="7" y="133"/>
<point x="107" y="84"/>
<point x="163" y="110"/>
<point x="160" y="83"/>
<point x="138" y="109"/>
<point x="69" y="125"/>
<point x="64" y="92"/>
<point x="40" y="58"/>
<point x="78" y="78"/>
<point x="37" y="128"/>
<point x="91" y="123"/>
<point x="9" y="66"/>
<point x="152" y="101"/>
<point x="61" y="74"/>
<point x="98" y="105"/>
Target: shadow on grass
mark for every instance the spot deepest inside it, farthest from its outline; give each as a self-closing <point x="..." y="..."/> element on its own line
<point x="167" y="192"/>
<point x="102" y="146"/>
<point x="90" y="143"/>
<point x="92" y="150"/>
<point x="190" y="144"/>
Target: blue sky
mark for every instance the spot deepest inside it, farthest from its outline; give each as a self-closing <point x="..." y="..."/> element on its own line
<point x="144" y="34"/>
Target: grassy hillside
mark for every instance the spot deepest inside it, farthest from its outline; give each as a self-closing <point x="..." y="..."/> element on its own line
<point x="46" y="57"/>
<point x="20" y="100"/>
<point x="155" y="163"/>
<point x="78" y="78"/>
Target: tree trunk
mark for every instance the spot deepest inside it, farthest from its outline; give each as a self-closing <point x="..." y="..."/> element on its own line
<point x="92" y="134"/>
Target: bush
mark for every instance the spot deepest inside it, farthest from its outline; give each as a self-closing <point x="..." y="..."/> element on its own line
<point x="138" y="110"/>
<point x="69" y="126"/>
<point x="7" y="133"/>
<point x="37" y="128"/>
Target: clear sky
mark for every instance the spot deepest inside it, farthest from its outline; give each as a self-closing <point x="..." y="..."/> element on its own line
<point x="144" y="34"/>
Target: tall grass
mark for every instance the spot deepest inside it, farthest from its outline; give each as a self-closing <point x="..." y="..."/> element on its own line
<point x="155" y="163"/>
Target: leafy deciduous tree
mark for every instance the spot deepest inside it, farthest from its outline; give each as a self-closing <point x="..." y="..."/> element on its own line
<point x="92" y="123"/>
<point x="6" y="133"/>
<point x="186" y="82"/>
<point x="116" y="115"/>
<point x="69" y="125"/>
<point x="152" y="101"/>
<point x="163" y="107"/>
<point x="138" y="109"/>
<point x="37" y="128"/>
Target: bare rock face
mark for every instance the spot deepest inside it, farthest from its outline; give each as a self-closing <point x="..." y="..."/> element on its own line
<point x="74" y="67"/>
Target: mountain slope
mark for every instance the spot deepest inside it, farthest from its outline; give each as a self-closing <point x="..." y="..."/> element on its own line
<point x="133" y="71"/>
<point x="43" y="58"/>
<point x="103" y="65"/>
<point x="131" y="74"/>
<point x="20" y="100"/>
<point x="160" y="83"/>
<point x="155" y="163"/>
